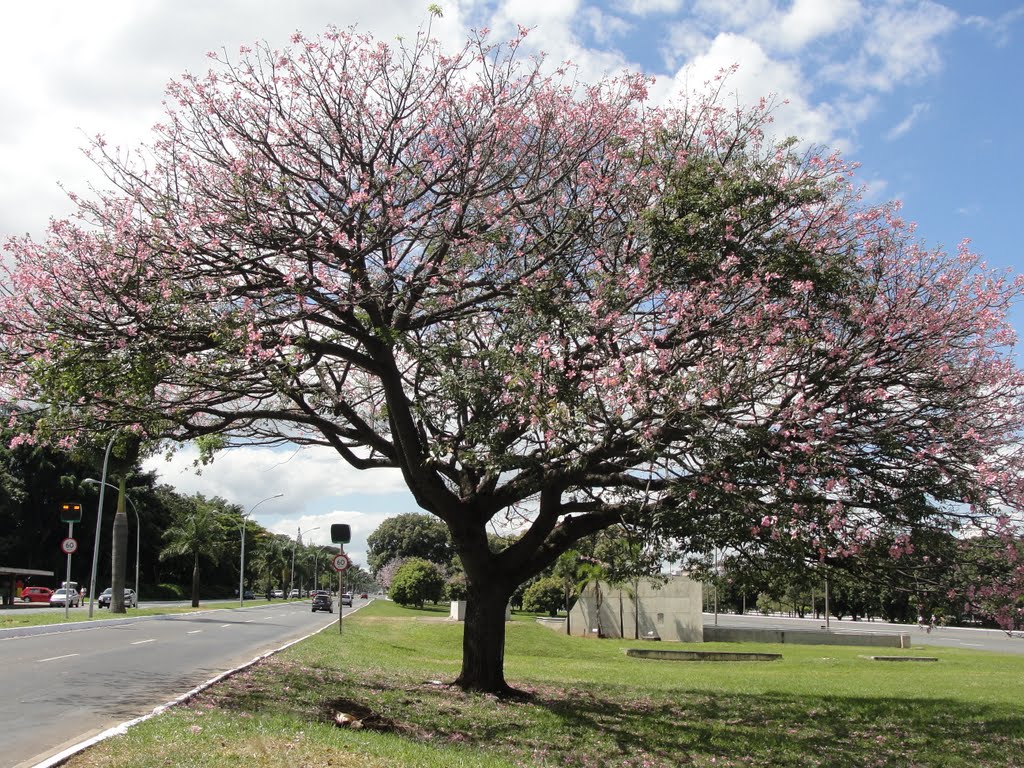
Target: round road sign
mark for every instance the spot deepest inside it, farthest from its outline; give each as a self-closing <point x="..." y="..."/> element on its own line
<point x="340" y="562"/>
<point x="69" y="546"/>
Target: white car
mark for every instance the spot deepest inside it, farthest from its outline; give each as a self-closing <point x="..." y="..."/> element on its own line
<point x="294" y="593"/>
<point x="131" y="600"/>
<point x="62" y="596"/>
<point x="278" y="593"/>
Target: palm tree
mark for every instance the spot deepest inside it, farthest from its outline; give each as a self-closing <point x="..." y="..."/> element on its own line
<point x="273" y="559"/>
<point x="198" y="533"/>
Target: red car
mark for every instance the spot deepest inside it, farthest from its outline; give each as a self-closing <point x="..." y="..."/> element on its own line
<point x="36" y="594"/>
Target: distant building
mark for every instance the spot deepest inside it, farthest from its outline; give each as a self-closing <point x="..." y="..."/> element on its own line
<point x="668" y="610"/>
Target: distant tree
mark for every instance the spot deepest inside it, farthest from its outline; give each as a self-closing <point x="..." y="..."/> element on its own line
<point x="544" y="596"/>
<point x="409" y="535"/>
<point x="198" y="535"/>
<point x="455" y="587"/>
<point x="416" y="582"/>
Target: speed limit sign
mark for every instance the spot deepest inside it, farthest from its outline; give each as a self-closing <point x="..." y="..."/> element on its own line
<point x="69" y="546"/>
<point x="340" y="562"/>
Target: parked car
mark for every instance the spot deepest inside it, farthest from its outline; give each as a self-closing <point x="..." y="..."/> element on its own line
<point x="322" y="602"/>
<point x="346" y="599"/>
<point x="248" y="595"/>
<point x="36" y="594"/>
<point x="131" y="600"/>
<point x="62" y="596"/>
<point x="295" y="593"/>
<point x="278" y="593"/>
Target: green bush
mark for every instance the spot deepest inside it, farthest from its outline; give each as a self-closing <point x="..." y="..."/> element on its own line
<point x="416" y="582"/>
<point x="544" y="596"/>
<point x="455" y="588"/>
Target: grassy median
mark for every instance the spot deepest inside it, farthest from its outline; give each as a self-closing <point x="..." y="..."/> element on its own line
<point x="586" y="704"/>
<point x="30" y="616"/>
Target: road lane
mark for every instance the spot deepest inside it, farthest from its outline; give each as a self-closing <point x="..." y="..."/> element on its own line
<point x="61" y="687"/>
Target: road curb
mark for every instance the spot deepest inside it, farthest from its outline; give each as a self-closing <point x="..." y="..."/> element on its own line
<point x="66" y="754"/>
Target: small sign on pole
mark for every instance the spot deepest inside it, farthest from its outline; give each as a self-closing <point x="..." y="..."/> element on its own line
<point x="69" y="546"/>
<point x="340" y="562"/>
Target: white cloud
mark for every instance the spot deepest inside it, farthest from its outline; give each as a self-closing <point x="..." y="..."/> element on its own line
<point x="246" y="475"/>
<point x="901" y="45"/>
<point x="906" y="124"/>
<point x="604" y="27"/>
<point x="808" y="20"/>
<point x="759" y="76"/>
<point x="84" y="69"/>
<point x="1000" y="28"/>
<point x="649" y="7"/>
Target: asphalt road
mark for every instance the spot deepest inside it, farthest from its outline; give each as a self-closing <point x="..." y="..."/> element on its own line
<point x="950" y="637"/>
<point x="64" y="683"/>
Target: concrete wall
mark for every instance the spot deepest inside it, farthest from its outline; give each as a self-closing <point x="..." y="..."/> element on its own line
<point x="668" y="611"/>
<point x="804" y="637"/>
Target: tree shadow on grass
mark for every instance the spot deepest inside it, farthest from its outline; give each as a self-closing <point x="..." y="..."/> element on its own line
<point x="777" y="730"/>
<point x="607" y="726"/>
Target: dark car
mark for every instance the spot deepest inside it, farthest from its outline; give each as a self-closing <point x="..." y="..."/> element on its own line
<point x="130" y="600"/>
<point x="322" y="602"/>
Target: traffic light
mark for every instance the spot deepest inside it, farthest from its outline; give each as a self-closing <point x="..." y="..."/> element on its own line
<point x="341" y="533"/>
<point x="71" y="512"/>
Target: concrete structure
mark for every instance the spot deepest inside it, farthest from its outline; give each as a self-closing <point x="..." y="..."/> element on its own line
<point x="805" y="637"/>
<point x="13" y="579"/>
<point x="661" y="610"/>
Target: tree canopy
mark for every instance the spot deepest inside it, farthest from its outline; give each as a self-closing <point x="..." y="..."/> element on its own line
<point x="553" y="306"/>
<point x="409" y="535"/>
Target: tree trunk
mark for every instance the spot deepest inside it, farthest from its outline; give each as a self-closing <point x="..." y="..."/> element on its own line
<point x="195" y="583"/>
<point x="483" y="640"/>
<point x="119" y="553"/>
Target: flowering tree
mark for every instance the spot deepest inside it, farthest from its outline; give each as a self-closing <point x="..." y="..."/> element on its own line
<point x="549" y="304"/>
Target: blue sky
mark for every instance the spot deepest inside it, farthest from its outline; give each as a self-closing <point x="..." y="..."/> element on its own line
<point x="927" y="96"/>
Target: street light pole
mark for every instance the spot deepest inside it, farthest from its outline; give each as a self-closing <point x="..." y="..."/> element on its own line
<point x="241" y="565"/>
<point x="99" y="526"/>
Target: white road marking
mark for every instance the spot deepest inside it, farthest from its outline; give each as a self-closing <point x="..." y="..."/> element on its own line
<point x="194" y="632"/>
<point x="250" y="621"/>
<point x="973" y="645"/>
<point x="225" y="625"/>
<point x="141" y="642"/>
<point x="54" y="658"/>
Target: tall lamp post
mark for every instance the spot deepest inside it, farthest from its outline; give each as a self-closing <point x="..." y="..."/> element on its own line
<point x="138" y="528"/>
<point x="99" y="527"/>
<point x="295" y="544"/>
<point x="241" y="565"/>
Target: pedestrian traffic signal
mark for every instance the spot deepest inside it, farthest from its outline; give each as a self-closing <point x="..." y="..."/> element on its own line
<point x="71" y="512"/>
<point x="341" y="533"/>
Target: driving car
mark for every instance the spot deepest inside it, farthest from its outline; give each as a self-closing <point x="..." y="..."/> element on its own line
<point x="363" y="596"/>
<point x="248" y="595"/>
<point x="346" y="599"/>
<point x="322" y="602"/>
<point x="131" y="600"/>
<point x="36" y="594"/>
<point x="62" y="596"/>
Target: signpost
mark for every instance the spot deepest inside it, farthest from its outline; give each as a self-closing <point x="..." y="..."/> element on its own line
<point x="70" y="513"/>
<point x="340" y="563"/>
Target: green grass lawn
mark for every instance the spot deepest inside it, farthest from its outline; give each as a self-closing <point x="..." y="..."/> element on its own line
<point x="586" y="704"/>
<point x="29" y="616"/>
